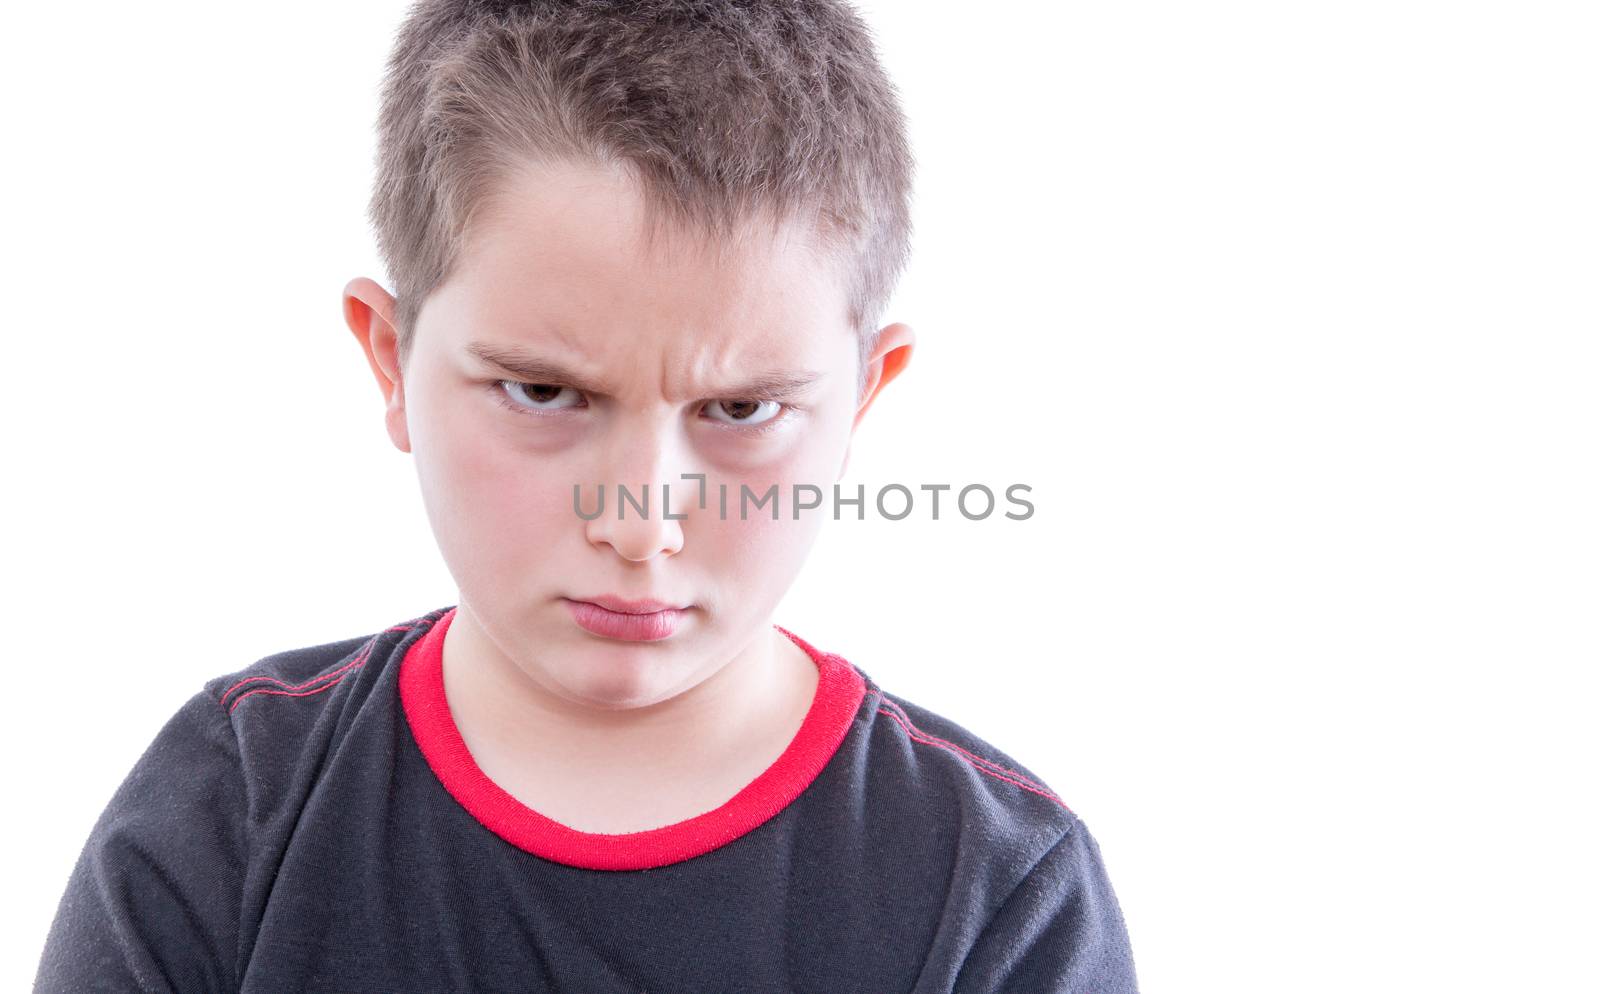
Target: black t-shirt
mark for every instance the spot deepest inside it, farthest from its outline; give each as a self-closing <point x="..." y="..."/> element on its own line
<point x="315" y="823"/>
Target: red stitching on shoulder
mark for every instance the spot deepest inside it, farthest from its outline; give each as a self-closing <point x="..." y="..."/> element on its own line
<point x="975" y="761"/>
<point x="282" y="693"/>
<point x="298" y="690"/>
<point x="972" y="755"/>
<point x="299" y="686"/>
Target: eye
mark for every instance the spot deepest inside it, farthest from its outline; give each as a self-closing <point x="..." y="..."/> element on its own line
<point x="744" y="413"/>
<point x="536" y="396"/>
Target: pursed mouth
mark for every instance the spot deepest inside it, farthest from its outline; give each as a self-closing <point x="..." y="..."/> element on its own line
<point x="629" y="626"/>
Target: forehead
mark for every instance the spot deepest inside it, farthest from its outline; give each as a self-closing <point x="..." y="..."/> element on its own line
<point x="560" y="250"/>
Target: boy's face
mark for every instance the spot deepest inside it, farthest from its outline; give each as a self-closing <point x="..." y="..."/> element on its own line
<point x="657" y="354"/>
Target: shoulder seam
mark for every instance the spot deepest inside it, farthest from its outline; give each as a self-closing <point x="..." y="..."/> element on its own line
<point x="977" y="762"/>
<point x="264" y="684"/>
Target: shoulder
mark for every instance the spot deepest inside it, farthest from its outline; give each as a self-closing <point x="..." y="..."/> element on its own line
<point x="285" y="682"/>
<point x="207" y="807"/>
<point x="1027" y="901"/>
<point x="942" y="787"/>
<point x="161" y="871"/>
<point x="288" y="712"/>
<point x="941" y="747"/>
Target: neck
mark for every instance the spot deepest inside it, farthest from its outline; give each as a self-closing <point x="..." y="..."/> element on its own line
<point x="548" y="750"/>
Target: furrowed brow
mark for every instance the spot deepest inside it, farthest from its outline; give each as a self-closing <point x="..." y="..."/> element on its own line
<point x="529" y="367"/>
<point x="774" y="384"/>
<point x="532" y="368"/>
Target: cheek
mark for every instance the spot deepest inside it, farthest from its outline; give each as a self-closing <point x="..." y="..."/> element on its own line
<point x="491" y="500"/>
<point x="755" y="549"/>
<point x="517" y="501"/>
<point x="504" y="470"/>
<point x="753" y="562"/>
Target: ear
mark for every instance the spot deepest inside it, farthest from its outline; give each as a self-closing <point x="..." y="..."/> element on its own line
<point x="889" y="359"/>
<point x="369" y="311"/>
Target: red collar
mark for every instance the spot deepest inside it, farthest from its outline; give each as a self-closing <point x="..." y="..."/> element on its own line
<point x="840" y="688"/>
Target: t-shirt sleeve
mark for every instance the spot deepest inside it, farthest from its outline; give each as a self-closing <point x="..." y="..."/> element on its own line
<point x="1060" y="931"/>
<point x="153" y="903"/>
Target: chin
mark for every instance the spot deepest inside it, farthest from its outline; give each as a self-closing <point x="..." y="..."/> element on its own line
<point x="617" y="676"/>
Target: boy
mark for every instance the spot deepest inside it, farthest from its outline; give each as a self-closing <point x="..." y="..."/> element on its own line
<point x="632" y="243"/>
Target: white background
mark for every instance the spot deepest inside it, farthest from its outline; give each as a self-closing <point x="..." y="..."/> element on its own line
<point x="1287" y="313"/>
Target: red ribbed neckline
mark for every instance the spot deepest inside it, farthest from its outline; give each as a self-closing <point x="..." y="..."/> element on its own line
<point x="840" y="689"/>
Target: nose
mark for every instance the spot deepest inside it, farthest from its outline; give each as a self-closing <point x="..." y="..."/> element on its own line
<point x="637" y="480"/>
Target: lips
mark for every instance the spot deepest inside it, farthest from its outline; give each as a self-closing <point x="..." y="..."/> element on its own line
<point x="630" y="621"/>
<point x="621" y="606"/>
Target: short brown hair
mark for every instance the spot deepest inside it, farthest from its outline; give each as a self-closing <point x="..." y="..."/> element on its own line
<point x="721" y="112"/>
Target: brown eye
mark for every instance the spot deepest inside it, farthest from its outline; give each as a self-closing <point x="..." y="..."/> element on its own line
<point x="744" y="412"/>
<point x="538" y="396"/>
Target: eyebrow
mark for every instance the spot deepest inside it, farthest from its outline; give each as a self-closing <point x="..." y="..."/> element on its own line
<point x="530" y="367"/>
